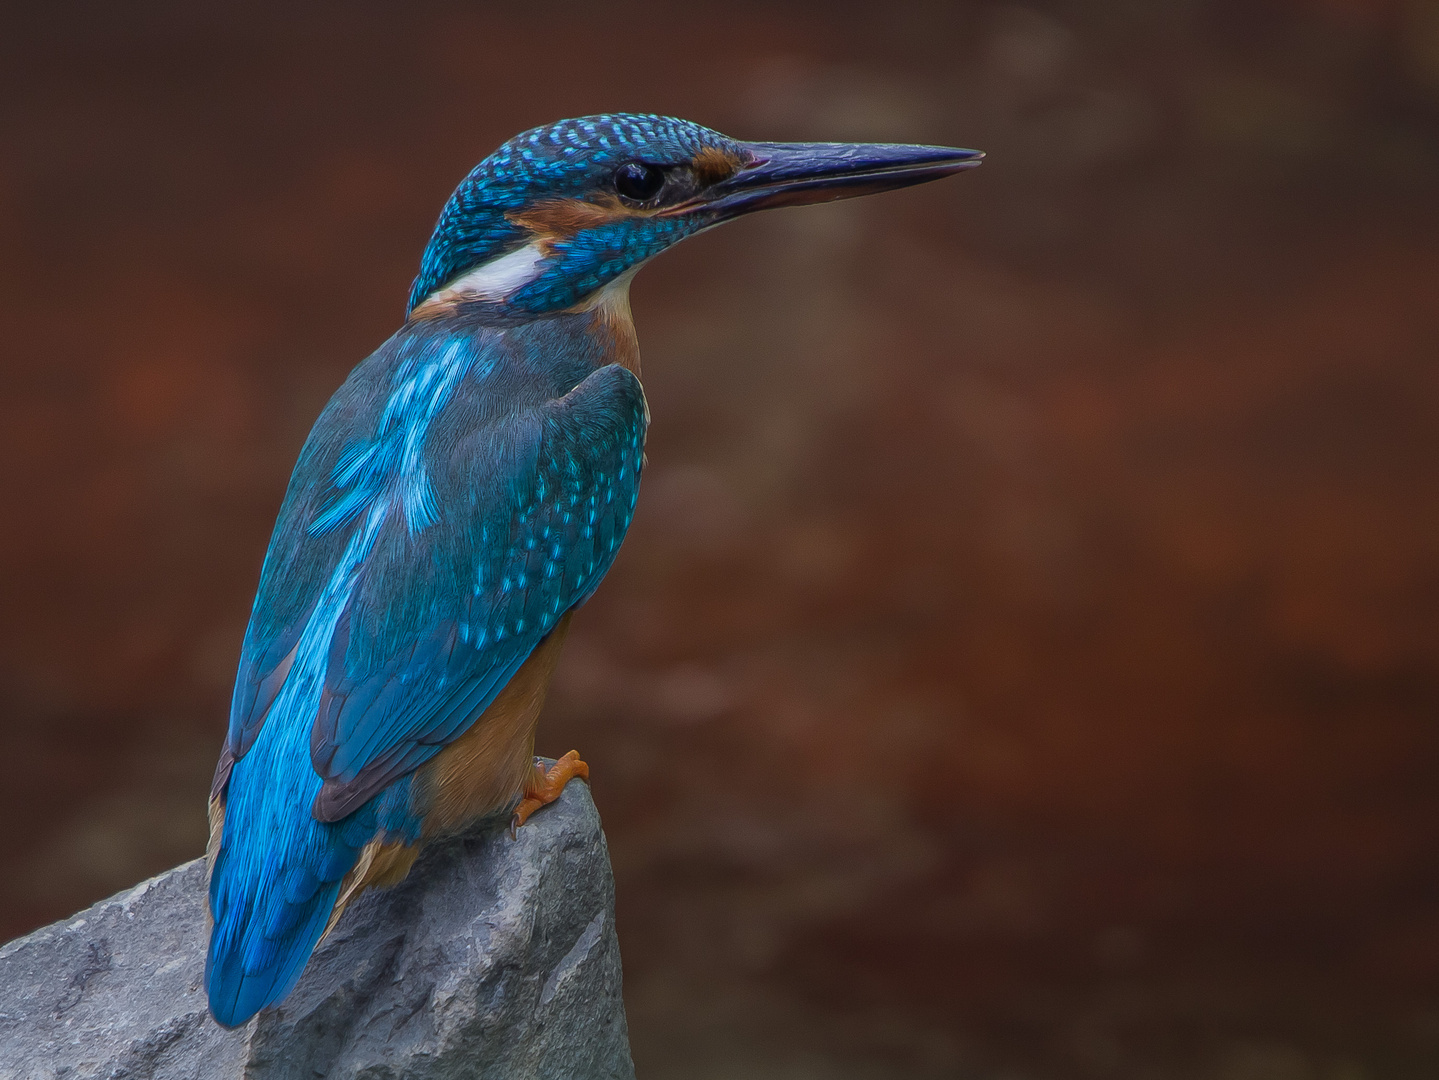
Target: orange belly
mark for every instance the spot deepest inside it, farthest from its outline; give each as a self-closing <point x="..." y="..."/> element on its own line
<point x="484" y="770"/>
<point x="481" y="773"/>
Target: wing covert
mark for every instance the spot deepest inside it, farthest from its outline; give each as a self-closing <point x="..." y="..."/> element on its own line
<point x="547" y="498"/>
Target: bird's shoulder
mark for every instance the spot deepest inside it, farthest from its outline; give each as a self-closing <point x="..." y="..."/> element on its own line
<point x="437" y="411"/>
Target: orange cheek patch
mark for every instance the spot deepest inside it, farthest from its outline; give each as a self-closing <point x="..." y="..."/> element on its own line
<point x="558" y="219"/>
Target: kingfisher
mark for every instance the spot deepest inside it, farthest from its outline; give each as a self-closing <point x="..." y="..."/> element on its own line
<point x="459" y="497"/>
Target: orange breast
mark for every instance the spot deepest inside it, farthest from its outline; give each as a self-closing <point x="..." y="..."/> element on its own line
<point x="615" y="324"/>
<point x="483" y="771"/>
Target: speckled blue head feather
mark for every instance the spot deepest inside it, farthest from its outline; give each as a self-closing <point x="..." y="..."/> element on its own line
<point x="569" y="159"/>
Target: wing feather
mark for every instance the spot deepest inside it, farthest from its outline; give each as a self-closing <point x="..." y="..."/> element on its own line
<point x="553" y="498"/>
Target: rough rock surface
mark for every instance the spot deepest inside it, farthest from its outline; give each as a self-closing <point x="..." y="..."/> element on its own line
<point x="494" y="958"/>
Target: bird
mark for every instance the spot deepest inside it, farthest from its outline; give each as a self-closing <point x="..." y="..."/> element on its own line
<point x="459" y="497"/>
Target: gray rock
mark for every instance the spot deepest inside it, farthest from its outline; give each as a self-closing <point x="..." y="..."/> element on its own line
<point x="494" y="958"/>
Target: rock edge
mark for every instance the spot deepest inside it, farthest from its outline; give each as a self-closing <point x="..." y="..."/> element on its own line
<point x="494" y="958"/>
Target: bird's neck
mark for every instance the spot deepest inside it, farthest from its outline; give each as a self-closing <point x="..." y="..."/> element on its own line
<point x="611" y="308"/>
<point x="604" y="314"/>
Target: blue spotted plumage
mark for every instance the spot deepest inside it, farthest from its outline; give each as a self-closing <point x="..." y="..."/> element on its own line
<point x="466" y="488"/>
<point x="569" y="159"/>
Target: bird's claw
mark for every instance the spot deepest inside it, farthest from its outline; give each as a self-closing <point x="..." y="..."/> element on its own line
<point x="546" y="787"/>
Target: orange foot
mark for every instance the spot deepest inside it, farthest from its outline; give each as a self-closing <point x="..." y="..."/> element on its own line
<point x="545" y="787"/>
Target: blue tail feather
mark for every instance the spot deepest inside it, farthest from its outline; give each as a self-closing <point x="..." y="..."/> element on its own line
<point x="278" y="871"/>
<point x="276" y="876"/>
<point x="247" y="969"/>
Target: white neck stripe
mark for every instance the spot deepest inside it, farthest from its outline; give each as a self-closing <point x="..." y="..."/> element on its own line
<point x="497" y="279"/>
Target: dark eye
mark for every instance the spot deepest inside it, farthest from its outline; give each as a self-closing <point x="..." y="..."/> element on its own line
<point x="638" y="181"/>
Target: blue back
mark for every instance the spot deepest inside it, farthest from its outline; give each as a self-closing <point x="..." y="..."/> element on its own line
<point x="467" y="486"/>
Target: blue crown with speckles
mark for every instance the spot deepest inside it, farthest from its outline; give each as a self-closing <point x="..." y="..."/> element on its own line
<point x="563" y="160"/>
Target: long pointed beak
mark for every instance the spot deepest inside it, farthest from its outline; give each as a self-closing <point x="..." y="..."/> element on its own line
<point x="793" y="174"/>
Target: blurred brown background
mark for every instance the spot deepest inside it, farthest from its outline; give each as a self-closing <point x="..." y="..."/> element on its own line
<point x="1024" y="662"/>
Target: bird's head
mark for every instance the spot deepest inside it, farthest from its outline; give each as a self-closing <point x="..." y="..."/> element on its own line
<point x="559" y="212"/>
